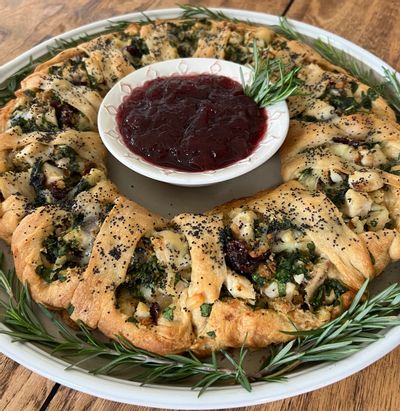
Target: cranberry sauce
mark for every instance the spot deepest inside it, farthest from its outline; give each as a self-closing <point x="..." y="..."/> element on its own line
<point x="191" y="123"/>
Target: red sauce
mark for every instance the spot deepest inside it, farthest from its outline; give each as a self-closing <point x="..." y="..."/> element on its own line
<point x="191" y="123"/>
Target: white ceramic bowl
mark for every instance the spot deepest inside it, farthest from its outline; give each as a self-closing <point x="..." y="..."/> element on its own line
<point x="277" y="123"/>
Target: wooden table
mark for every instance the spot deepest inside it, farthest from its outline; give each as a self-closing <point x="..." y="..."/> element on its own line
<point x="372" y="24"/>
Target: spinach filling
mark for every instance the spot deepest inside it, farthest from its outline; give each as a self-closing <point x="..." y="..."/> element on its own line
<point x="144" y="271"/>
<point x="290" y="264"/>
<point x="58" y="255"/>
<point x="262" y="227"/>
<point x="76" y="72"/>
<point x="268" y="267"/>
<point x="136" y="50"/>
<point x="323" y="295"/>
<point x="184" y="40"/>
<point x="28" y="125"/>
<point x="72" y="181"/>
<point x="345" y="104"/>
<point x="236" y="54"/>
<point x="336" y="191"/>
<point x="389" y="165"/>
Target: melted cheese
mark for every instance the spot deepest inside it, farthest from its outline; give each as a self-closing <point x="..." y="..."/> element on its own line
<point x="171" y="249"/>
<point x="243" y="224"/>
<point x="356" y="204"/>
<point x="240" y="287"/>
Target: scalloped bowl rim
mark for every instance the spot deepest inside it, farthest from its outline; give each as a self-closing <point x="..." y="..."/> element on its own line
<point x="269" y="144"/>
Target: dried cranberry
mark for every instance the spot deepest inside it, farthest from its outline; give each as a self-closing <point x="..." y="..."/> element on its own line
<point x="57" y="192"/>
<point x="64" y="113"/>
<point x="345" y="140"/>
<point x="238" y="258"/>
<point x="133" y="51"/>
<point x="155" y="311"/>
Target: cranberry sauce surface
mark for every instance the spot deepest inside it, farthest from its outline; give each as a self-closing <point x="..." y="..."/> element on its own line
<point x="191" y="123"/>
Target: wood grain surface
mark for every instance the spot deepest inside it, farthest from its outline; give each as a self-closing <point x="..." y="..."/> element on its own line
<point x="372" y="24"/>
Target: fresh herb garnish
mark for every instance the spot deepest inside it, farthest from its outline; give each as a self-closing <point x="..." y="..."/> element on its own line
<point x="286" y="29"/>
<point x="190" y="11"/>
<point x="340" y="58"/>
<point x="336" y="340"/>
<point x="262" y="89"/>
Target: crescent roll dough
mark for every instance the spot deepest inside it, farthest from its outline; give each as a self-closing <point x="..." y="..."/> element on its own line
<point x="289" y="258"/>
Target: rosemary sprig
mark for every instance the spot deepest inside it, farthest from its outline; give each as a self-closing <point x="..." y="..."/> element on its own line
<point x="349" y="333"/>
<point x="392" y="91"/>
<point x="339" y="338"/>
<point x="261" y="89"/>
<point x="287" y="30"/>
<point x="190" y="11"/>
<point x="25" y="326"/>
<point x="340" y="58"/>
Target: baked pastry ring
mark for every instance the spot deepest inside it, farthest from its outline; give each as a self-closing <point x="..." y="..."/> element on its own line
<point x="288" y="258"/>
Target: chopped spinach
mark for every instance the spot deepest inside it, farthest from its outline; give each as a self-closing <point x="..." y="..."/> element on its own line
<point x="145" y="272"/>
<point x="262" y="227"/>
<point x="281" y="289"/>
<point x="325" y="290"/>
<point x="293" y="263"/>
<point x="26" y="125"/>
<point x="83" y="185"/>
<point x="64" y="151"/>
<point x="336" y="192"/>
<point x="136" y="50"/>
<point x="347" y="104"/>
<point x="307" y="172"/>
<point x="205" y="309"/>
<point x="168" y="313"/>
<point x="37" y="178"/>
<point x="235" y="54"/>
<point x="258" y="279"/>
<point x="184" y="41"/>
<point x="280" y="225"/>
<point x="47" y="274"/>
<point x="55" y="247"/>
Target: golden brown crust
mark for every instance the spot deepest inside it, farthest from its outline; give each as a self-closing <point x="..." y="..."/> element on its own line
<point x="112" y="250"/>
<point x="26" y="247"/>
<point x="90" y="291"/>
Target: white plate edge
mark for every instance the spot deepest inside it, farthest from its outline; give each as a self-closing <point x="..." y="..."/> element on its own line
<point x="213" y="398"/>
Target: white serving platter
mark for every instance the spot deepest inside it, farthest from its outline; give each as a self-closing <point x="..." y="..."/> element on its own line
<point x="169" y="200"/>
